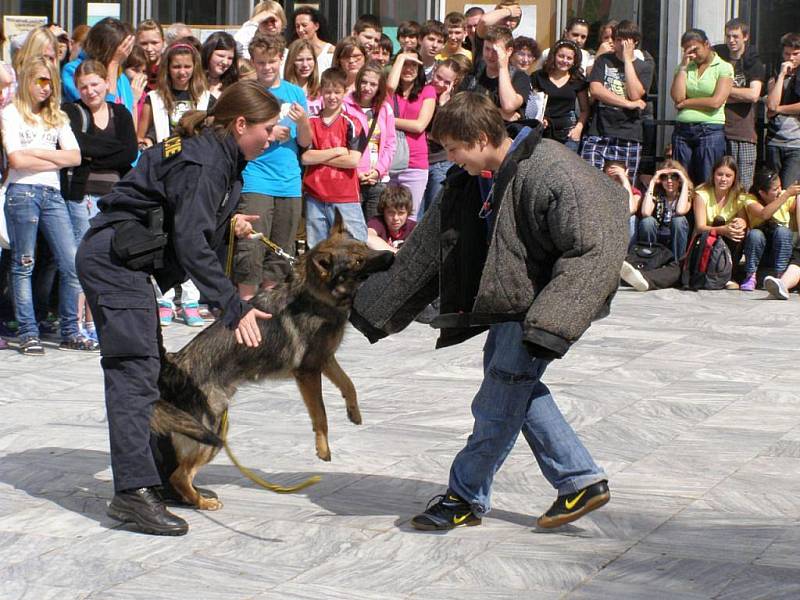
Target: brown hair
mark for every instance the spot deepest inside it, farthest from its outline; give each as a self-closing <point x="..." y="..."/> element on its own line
<point x="79" y="33"/>
<point x="268" y="43"/>
<point x="104" y="38"/>
<point x="575" y="72"/>
<point x="137" y="58"/>
<point x="197" y="84"/>
<point x="465" y="117"/>
<point x="345" y="48"/>
<point x="455" y="19"/>
<point x="150" y="25"/>
<point x="289" y="73"/>
<point x="497" y="33"/>
<point x="380" y="95"/>
<point x="91" y="67"/>
<point x="333" y="76"/>
<point x="396" y="196"/>
<point x="246" y="99"/>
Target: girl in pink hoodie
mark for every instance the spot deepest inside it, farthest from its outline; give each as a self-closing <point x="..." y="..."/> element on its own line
<point x="367" y="103"/>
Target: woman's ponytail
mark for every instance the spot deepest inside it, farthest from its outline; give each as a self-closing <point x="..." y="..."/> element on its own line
<point x="246" y="99"/>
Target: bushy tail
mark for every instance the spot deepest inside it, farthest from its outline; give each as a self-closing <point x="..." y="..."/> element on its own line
<point x="170" y="419"/>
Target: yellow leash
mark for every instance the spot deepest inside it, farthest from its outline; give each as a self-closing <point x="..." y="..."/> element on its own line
<point x="267" y="485"/>
<point x="278" y="489"/>
<point x="255" y="236"/>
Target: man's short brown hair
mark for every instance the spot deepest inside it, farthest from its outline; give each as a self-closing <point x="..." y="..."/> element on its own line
<point x="498" y="33"/>
<point x="395" y="196"/>
<point x="268" y="43"/>
<point x="454" y="20"/>
<point x="465" y="117"/>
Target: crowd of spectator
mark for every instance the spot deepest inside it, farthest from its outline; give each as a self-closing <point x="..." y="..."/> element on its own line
<point x="355" y="136"/>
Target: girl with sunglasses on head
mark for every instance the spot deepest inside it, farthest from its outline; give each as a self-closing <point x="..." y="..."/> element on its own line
<point x="770" y="209"/>
<point x="33" y="127"/>
<point x="220" y="59"/>
<point x="665" y="205"/>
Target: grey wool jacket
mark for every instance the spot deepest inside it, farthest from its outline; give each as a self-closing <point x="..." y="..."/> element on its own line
<point x="552" y="261"/>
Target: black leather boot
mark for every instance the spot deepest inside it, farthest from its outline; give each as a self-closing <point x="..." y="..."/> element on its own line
<point x="145" y="509"/>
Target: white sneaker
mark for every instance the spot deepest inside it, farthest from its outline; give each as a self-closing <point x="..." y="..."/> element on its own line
<point x="633" y="277"/>
<point x="776" y="288"/>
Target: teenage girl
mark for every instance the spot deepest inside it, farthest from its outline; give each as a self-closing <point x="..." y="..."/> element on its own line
<point x="220" y="59"/>
<point x="302" y="69"/>
<point x="181" y="88"/>
<point x="414" y="103"/>
<point x="368" y="104"/>
<point x="32" y="127"/>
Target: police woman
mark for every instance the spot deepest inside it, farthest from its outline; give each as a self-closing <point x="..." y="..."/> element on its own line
<point x="166" y="219"/>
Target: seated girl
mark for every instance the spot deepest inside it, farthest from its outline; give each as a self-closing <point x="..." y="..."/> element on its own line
<point x="719" y="204"/>
<point x="769" y="213"/>
<point x="664" y="208"/>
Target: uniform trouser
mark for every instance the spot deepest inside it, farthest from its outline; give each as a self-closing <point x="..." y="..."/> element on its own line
<point x="126" y="318"/>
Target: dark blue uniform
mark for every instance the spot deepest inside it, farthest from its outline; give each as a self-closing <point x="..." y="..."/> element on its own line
<point x="197" y="182"/>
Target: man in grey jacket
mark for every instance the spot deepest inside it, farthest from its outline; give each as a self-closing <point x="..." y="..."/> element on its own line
<point x="527" y="241"/>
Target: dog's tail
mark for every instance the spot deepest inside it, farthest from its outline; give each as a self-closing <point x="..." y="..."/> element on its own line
<point x="168" y="419"/>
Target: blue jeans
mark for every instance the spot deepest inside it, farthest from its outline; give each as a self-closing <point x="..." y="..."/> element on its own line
<point x="779" y="241"/>
<point x="678" y="234"/>
<point x="437" y="173"/>
<point x="79" y="214"/>
<point x="29" y="208"/>
<point x="698" y="147"/>
<point x="320" y="216"/>
<point x="512" y="398"/>
<point x="785" y="161"/>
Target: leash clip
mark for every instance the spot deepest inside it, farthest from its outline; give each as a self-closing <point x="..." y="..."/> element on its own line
<point x="274" y="247"/>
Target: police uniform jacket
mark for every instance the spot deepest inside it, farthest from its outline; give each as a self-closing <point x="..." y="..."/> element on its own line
<point x="197" y="181"/>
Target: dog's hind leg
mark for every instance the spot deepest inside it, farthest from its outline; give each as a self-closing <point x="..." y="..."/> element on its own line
<point x="182" y="480"/>
<point x="334" y="372"/>
<point x="310" y="385"/>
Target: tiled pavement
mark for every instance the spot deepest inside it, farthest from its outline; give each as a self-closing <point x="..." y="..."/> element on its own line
<point x="690" y="402"/>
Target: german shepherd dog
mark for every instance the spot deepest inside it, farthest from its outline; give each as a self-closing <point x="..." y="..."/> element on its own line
<point x="309" y="313"/>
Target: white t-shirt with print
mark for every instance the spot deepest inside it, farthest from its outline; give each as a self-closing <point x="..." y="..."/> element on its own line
<point x="20" y="135"/>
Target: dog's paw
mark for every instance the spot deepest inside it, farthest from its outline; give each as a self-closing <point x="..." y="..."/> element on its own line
<point x="354" y="416"/>
<point x="209" y="504"/>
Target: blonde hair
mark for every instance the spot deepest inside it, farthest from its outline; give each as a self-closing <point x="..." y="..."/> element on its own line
<point x="289" y="73"/>
<point x="50" y="113"/>
<point x="272" y="7"/>
<point x="34" y="46"/>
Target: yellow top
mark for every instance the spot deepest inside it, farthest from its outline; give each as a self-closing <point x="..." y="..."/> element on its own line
<point x="443" y="55"/>
<point x="728" y="211"/>
<point x="782" y="216"/>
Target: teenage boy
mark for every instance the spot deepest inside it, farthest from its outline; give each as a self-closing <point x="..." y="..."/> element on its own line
<point x="330" y="182"/>
<point x="431" y="41"/>
<point x="507" y="13"/>
<point x="473" y="17"/>
<point x="618" y="85"/>
<point x="455" y="23"/>
<point x="783" y="110"/>
<point x="368" y="31"/>
<point x="749" y="75"/>
<point x="272" y="182"/>
<point x="536" y="288"/>
<point x="507" y="86"/>
<point x="382" y="53"/>
<point x="408" y="36"/>
<point x="389" y="229"/>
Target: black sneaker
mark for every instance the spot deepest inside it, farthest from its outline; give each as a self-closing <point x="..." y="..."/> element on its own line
<point x="448" y="512"/>
<point x="569" y="507"/>
<point x="31" y="347"/>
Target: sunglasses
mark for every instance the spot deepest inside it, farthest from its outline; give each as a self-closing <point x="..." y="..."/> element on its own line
<point x="42" y="81"/>
<point x="671" y="177"/>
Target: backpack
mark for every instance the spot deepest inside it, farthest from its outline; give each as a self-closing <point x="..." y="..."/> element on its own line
<point x="649" y="257"/>
<point x="708" y="264"/>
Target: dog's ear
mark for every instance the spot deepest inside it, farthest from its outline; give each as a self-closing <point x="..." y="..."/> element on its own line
<point x="323" y="262"/>
<point x="338" y="224"/>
